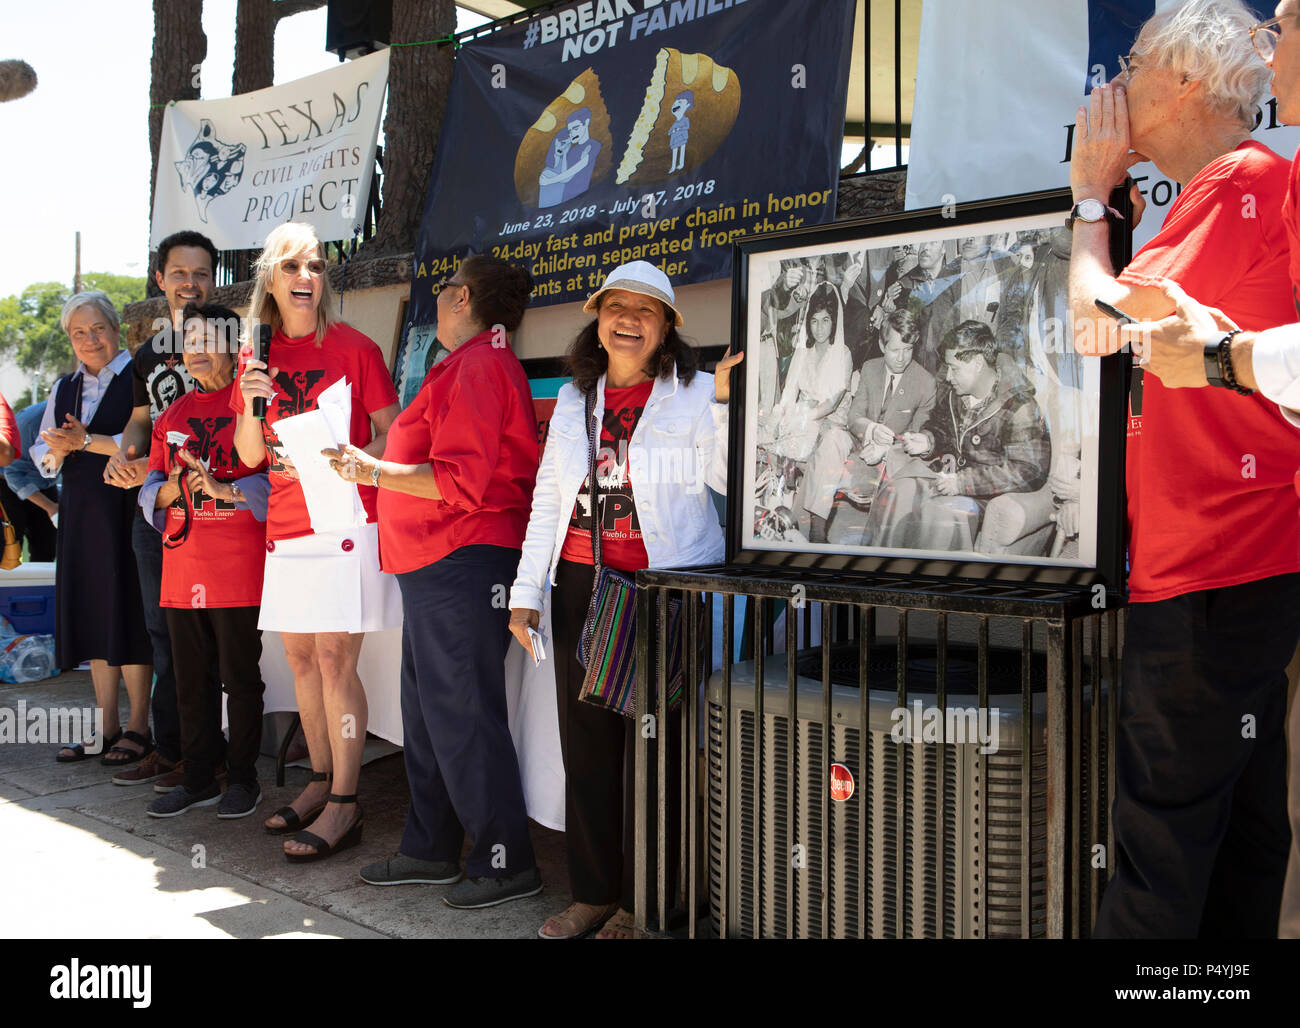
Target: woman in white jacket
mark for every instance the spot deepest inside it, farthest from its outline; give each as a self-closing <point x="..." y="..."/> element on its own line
<point x="663" y="428"/>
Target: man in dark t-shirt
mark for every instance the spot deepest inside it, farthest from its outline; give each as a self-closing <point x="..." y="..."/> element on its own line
<point x="184" y="272"/>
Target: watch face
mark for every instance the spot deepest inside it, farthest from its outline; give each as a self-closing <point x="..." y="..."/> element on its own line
<point x="1090" y="210"/>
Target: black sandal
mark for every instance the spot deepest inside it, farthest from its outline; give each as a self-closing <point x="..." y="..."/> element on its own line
<point x="323" y="849"/>
<point x="145" y="744"/>
<point x="292" y="822"/>
<point x="79" y="750"/>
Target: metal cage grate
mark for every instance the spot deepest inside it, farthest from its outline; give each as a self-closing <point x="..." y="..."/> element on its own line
<point x="938" y="839"/>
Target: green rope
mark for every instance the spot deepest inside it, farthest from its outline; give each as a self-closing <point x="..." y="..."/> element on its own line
<point x="432" y="42"/>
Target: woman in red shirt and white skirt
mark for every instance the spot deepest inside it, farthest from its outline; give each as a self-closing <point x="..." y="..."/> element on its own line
<point x="322" y="590"/>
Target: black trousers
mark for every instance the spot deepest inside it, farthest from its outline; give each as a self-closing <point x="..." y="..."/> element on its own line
<point x="599" y="783"/>
<point x="30" y="522"/>
<point x="1200" y="816"/>
<point x="226" y="638"/>
<point x="146" y="541"/>
<point x="460" y="758"/>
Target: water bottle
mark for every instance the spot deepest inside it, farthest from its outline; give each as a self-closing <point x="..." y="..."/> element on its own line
<point x="27" y="658"/>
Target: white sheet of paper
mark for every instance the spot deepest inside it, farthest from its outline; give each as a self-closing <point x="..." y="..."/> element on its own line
<point x="539" y="646"/>
<point x="333" y="504"/>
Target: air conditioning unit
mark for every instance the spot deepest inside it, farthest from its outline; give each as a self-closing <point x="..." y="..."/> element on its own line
<point x="957" y="863"/>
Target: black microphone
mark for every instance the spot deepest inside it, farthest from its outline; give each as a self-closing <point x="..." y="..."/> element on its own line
<point x="261" y="352"/>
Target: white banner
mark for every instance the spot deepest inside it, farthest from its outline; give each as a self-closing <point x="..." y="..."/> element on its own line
<point x="997" y="86"/>
<point x="235" y="169"/>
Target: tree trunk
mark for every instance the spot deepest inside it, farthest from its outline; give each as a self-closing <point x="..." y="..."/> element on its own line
<point x="255" y="22"/>
<point x="419" y="78"/>
<point x="254" y="46"/>
<point x="179" y="46"/>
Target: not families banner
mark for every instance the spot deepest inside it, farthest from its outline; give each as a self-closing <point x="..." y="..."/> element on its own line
<point x="997" y="87"/>
<point x="304" y="151"/>
<point x="617" y="130"/>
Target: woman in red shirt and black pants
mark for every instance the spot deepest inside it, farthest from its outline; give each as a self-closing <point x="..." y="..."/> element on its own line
<point x="455" y="487"/>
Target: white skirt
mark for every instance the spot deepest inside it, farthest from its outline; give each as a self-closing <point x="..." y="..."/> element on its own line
<point x="328" y="582"/>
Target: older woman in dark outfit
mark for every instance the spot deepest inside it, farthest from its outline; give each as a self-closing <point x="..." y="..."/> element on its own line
<point x="99" y="614"/>
<point x="455" y="483"/>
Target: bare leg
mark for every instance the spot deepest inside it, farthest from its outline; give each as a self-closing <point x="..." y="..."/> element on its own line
<point x="104" y="678"/>
<point x="300" y="653"/>
<point x="139" y="684"/>
<point x="345" y="718"/>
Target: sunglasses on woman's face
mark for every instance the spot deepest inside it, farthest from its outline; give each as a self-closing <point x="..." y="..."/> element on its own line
<point x="315" y="266"/>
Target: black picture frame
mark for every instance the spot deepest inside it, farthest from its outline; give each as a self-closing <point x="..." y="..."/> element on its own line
<point x="1105" y="563"/>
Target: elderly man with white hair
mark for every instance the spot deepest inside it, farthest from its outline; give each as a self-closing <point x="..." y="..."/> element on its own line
<point x="99" y="615"/>
<point x="1214" y="524"/>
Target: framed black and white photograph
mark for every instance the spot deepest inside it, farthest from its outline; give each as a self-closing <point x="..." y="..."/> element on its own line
<point x="911" y="401"/>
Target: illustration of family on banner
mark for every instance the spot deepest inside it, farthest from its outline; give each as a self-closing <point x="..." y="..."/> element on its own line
<point x="634" y="130"/>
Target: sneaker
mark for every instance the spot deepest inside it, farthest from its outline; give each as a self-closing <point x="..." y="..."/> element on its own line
<point x="176" y="777"/>
<point x="181" y="799"/>
<point x="401" y="870"/>
<point x="472" y="893"/>
<point x="150" y="769"/>
<point x="240" y="800"/>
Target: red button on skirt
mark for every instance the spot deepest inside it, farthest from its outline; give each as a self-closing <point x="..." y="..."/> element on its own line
<point x="270" y="546"/>
<point x="347" y="545"/>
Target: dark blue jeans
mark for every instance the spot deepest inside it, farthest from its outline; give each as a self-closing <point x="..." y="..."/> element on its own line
<point x="460" y="759"/>
<point x="147" y="543"/>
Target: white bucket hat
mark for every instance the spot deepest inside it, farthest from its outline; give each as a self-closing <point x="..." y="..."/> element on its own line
<point x="638" y="277"/>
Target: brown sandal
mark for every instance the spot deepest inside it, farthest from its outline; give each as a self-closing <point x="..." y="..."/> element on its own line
<point x="574" y="926"/>
<point x="621" y="926"/>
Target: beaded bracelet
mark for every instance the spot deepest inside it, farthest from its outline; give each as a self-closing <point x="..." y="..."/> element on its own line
<point x="1225" y="365"/>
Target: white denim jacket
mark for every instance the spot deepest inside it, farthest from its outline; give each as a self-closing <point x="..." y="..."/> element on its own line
<point x="678" y="447"/>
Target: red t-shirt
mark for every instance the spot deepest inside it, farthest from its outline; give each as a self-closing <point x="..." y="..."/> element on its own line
<point x="9" y="427"/>
<point x="226" y="546"/>
<point x="303" y="371"/>
<point x="1211" y="501"/>
<point x="1291" y="219"/>
<point x="473" y="421"/>
<point x="620" y="534"/>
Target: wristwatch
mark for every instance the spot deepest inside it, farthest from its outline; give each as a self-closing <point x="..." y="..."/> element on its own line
<point x="1091" y="210"/>
<point x="374" y="475"/>
<point x="236" y="494"/>
<point x="1218" y="363"/>
<point x="86" y="442"/>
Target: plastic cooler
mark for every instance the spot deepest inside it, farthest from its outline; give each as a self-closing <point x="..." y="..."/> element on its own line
<point x="27" y="598"/>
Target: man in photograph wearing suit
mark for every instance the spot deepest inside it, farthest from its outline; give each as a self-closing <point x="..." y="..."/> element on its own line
<point x="895" y="395"/>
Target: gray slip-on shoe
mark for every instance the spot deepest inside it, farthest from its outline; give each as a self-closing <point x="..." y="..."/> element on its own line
<point x="240" y="800"/>
<point x="473" y="893"/>
<point x="404" y="870"/>
<point x="181" y="799"/>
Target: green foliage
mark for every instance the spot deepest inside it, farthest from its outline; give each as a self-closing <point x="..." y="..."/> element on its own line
<point x="30" y="334"/>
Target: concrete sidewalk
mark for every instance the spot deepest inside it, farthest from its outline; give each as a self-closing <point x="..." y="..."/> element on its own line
<point x="82" y="859"/>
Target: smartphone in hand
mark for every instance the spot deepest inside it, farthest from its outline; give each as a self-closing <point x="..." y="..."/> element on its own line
<point x="1112" y="311"/>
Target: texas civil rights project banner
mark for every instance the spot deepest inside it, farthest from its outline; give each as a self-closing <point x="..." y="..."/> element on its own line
<point x="234" y="169"/>
<point x="618" y="130"/>
<point x="997" y="86"/>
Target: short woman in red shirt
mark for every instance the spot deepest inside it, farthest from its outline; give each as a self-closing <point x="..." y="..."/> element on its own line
<point x="456" y="481"/>
<point x="322" y="588"/>
<point x="211" y="509"/>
